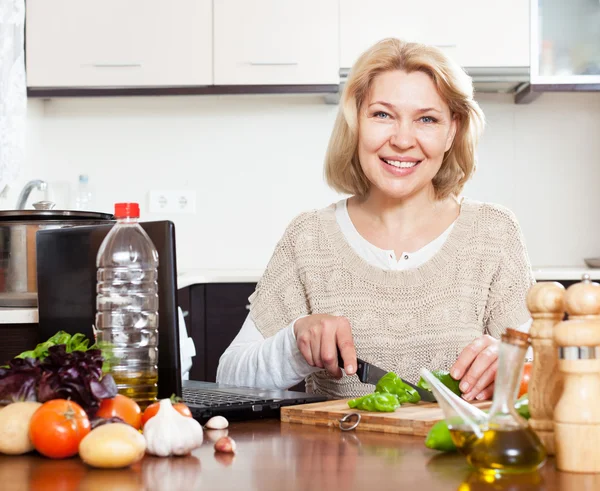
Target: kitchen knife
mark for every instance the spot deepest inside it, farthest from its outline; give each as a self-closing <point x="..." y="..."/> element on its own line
<point x="371" y="374"/>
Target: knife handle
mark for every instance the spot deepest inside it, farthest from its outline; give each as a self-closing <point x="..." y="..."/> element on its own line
<point x="361" y="369"/>
<point x="340" y="359"/>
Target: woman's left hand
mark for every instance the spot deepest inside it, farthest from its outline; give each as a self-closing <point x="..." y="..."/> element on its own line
<point x="476" y="368"/>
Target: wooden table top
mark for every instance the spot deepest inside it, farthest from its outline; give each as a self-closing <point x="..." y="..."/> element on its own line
<point x="280" y="456"/>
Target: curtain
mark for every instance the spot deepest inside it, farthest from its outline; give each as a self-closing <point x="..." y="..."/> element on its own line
<point x="13" y="91"/>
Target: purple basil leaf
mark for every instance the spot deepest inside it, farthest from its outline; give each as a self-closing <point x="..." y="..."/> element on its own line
<point x="45" y="390"/>
<point x="110" y="387"/>
<point x="76" y="376"/>
<point x="18" y="386"/>
<point x="18" y="382"/>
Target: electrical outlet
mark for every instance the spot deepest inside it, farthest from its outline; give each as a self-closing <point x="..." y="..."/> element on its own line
<point x="172" y="201"/>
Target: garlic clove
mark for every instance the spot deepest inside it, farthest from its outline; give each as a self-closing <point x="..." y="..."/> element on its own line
<point x="217" y="423"/>
<point x="214" y="435"/>
<point x="225" y="444"/>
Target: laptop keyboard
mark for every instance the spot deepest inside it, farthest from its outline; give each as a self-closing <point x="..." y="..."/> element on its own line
<point x="214" y="398"/>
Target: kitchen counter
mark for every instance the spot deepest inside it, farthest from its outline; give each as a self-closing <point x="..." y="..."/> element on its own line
<point x="10" y="315"/>
<point x="565" y="273"/>
<point x="189" y="277"/>
<point x="272" y="456"/>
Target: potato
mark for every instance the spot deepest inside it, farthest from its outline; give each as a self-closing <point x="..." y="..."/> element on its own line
<point x="14" y="427"/>
<point x="111" y="446"/>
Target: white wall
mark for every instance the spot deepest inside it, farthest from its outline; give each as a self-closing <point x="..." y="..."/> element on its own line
<point x="256" y="161"/>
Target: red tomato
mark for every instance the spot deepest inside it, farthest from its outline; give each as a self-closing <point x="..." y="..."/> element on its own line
<point x="57" y="427"/>
<point x="122" y="407"/>
<point x="525" y="379"/>
<point x="152" y="409"/>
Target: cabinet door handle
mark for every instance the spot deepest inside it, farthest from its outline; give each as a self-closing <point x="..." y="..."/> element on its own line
<point x="186" y="313"/>
<point x="248" y="307"/>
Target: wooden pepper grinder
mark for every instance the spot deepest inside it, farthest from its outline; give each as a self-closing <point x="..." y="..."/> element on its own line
<point x="577" y="414"/>
<point x="546" y="303"/>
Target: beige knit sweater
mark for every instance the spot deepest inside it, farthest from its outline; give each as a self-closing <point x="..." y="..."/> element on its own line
<point x="401" y="320"/>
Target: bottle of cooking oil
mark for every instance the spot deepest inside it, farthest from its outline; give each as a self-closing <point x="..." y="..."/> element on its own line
<point x="127" y="306"/>
<point x="505" y="442"/>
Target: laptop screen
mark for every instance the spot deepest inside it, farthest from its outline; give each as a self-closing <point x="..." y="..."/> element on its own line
<point x="66" y="269"/>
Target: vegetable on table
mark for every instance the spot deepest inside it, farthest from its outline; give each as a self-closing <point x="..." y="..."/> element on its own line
<point x="378" y="401"/>
<point x="392" y="384"/>
<point x="112" y="446"/>
<point x="445" y="378"/>
<point x="14" y="427"/>
<point x="61" y="375"/>
<point x="57" y="427"/>
<point x="152" y="409"/>
<point x="522" y="406"/>
<point x="77" y="342"/>
<point x="524" y="387"/>
<point x="217" y="423"/>
<point x="171" y="433"/>
<point x="439" y="438"/>
<point x="225" y="444"/>
<point x="121" y="407"/>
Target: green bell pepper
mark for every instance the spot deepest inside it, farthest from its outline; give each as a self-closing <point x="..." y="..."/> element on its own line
<point x="376" y="402"/>
<point x="392" y="384"/>
<point x="439" y="437"/>
<point x="445" y="378"/>
<point x="522" y="406"/>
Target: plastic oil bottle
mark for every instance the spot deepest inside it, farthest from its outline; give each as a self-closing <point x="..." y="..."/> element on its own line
<point x="127" y="306"/>
<point x="506" y="443"/>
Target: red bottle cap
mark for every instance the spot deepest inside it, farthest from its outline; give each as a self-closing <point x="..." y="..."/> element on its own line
<point x="127" y="210"/>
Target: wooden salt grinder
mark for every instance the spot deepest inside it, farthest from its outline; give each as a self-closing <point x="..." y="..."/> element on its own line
<point x="546" y="303"/>
<point x="577" y="414"/>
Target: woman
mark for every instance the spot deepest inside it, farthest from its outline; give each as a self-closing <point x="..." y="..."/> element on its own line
<point x="404" y="273"/>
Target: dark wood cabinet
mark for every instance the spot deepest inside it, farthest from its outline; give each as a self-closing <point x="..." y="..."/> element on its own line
<point x="214" y="314"/>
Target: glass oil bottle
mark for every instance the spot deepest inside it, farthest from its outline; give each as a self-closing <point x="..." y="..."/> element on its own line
<point x="500" y="441"/>
<point x="508" y="444"/>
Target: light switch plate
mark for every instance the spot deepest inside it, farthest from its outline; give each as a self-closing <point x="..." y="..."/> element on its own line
<point x="183" y="201"/>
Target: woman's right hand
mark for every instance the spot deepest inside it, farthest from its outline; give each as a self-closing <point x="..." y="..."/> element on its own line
<point x="318" y="337"/>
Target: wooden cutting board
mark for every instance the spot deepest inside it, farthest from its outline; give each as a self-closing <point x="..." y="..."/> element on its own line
<point x="410" y="419"/>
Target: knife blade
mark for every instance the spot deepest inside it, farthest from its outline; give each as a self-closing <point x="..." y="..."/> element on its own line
<point x="371" y="374"/>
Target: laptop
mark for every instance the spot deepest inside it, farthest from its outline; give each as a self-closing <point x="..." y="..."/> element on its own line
<point x="66" y="275"/>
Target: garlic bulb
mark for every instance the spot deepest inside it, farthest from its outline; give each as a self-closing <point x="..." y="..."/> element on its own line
<point x="170" y="433"/>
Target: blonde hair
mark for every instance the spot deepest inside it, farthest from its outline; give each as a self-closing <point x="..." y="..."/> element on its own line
<point x="342" y="167"/>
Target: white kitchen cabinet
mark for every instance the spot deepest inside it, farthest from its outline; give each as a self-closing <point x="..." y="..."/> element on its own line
<point x="276" y="42"/>
<point x="492" y="33"/>
<point x="117" y="43"/>
<point x="476" y="33"/>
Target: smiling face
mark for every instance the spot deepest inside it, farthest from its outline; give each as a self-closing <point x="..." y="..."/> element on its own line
<point x="405" y="127"/>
